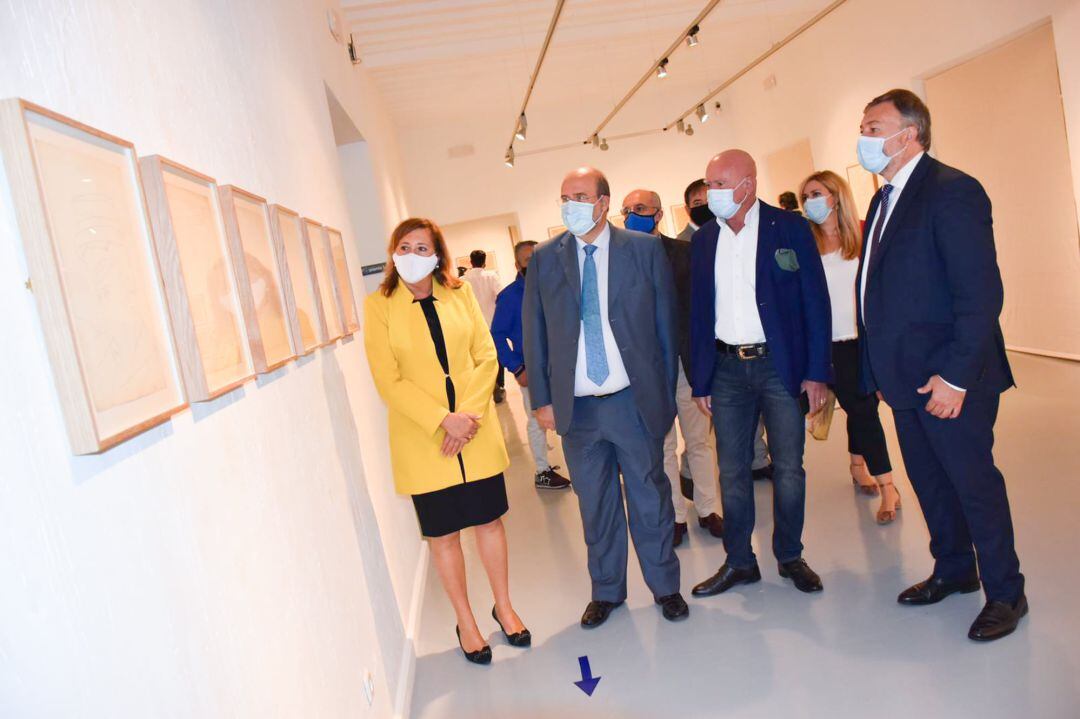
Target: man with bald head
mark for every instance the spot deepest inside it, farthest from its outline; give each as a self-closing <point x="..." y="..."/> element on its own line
<point x="643" y="211"/>
<point x="760" y="342"/>
<point x="601" y="347"/>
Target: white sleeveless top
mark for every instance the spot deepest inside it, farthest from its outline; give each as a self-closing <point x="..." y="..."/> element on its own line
<point x="840" y="274"/>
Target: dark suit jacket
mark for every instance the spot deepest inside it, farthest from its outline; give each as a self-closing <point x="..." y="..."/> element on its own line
<point x="793" y="304"/>
<point x="933" y="291"/>
<point x="641" y="311"/>
<point x="678" y="254"/>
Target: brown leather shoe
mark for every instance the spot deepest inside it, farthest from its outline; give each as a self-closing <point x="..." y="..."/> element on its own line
<point x="714" y="523"/>
<point x="680" y="532"/>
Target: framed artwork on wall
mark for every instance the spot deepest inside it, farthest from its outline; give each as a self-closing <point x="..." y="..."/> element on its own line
<point x="346" y="301"/>
<point x="260" y="282"/>
<point x="79" y="205"/>
<point x="556" y="231"/>
<point x="300" y="302"/>
<point x="323" y="266"/>
<point x="680" y="218"/>
<point x="200" y="285"/>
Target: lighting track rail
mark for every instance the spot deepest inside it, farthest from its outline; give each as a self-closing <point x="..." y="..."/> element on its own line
<point x="520" y="122"/>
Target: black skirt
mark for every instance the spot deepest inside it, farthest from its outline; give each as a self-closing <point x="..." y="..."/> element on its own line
<point x="468" y="504"/>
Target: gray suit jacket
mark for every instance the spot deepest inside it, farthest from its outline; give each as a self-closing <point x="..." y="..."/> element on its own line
<point x="641" y="311"/>
<point x="687" y="234"/>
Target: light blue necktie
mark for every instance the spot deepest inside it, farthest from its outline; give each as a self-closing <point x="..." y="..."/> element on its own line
<point x="596" y="366"/>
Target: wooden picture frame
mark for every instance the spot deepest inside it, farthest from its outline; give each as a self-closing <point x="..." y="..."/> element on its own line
<point x="79" y="206"/>
<point x="350" y="320"/>
<point x="301" y="299"/>
<point x="556" y="231"/>
<point x="204" y="304"/>
<point x="261" y="284"/>
<point x="680" y="219"/>
<point x="322" y="280"/>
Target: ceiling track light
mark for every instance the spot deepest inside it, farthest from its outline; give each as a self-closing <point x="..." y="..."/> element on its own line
<point x="523" y="125"/>
<point x="595" y="140"/>
<point x="680" y="126"/>
<point x="702" y="115"/>
<point x="604" y="145"/>
<point x="661" y="69"/>
<point x="509" y="159"/>
<point x="691" y="38"/>
<point x="689" y="130"/>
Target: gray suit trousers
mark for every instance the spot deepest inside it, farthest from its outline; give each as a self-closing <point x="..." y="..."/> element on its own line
<point x="607" y="435"/>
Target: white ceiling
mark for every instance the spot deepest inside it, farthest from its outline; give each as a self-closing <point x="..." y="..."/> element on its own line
<point x="469" y="61"/>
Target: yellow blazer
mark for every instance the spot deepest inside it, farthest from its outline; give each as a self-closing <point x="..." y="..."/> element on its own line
<point x="410" y="380"/>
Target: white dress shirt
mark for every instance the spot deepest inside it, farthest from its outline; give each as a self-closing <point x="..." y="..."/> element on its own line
<point x="617" y="378"/>
<point x="485" y="285"/>
<point x="899" y="180"/>
<point x="840" y="276"/>
<point x="735" y="279"/>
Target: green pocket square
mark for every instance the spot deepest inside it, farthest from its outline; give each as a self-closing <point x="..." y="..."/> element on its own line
<point x="787" y="260"/>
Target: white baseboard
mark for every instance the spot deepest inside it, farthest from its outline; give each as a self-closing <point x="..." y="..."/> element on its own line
<point x="407" y="671"/>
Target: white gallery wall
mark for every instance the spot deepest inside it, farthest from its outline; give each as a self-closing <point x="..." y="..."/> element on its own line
<point x="822" y="81"/>
<point x="247" y="558"/>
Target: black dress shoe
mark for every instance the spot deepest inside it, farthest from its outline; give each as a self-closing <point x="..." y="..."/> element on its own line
<point x="674" y="607"/>
<point x="997" y="620"/>
<point x="480" y="656"/>
<point x="765" y="472"/>
<point x="517" y="639"/>
<point x="725" y="579"/>
<point x="714" y="523"/>
<point x="934" y="589"/>
<point x="799" y="572"/>
<point x="499" y="395"/>
<point x="597" y="613"/>
<point x="680" y="532"/>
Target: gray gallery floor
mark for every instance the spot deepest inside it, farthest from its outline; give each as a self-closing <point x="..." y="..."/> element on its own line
<point x="767" y="650"/>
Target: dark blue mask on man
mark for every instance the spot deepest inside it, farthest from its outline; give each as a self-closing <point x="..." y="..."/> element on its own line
<point x="641" y="223"/>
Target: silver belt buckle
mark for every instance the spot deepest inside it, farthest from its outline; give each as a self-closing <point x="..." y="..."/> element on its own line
<point x="743" y="352"/>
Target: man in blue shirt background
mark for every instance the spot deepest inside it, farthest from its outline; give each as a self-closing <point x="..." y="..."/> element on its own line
<point x="506" y="330"/>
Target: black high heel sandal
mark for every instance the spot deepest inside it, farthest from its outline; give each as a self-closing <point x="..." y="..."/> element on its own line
<point x="518" y="639"/>
<point x="480" y="656"/>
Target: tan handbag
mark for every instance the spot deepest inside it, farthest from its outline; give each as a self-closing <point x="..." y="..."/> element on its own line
<point x="819" y="424"/>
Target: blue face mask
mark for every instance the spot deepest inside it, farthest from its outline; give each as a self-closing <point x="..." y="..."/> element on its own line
<point x="578" y="217"/>
<point x="871" y="152"/>
<point x="640" y="223"/>
<point x="817" y="209"/>
<point x="722" y="202"/>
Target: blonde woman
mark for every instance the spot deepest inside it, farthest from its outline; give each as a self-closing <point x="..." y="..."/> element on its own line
<point x="827" y="202"/>
<point x="434" y="364"/>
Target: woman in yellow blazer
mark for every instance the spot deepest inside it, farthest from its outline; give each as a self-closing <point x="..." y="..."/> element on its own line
<point x="434" y="364"/>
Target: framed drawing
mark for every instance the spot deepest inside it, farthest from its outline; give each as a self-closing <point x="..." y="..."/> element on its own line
<point x="556" y="231"/>
<point x="200" y="285"/>
<point x="322" y="278"/>
<point x="680" y="218"/>
<point x="301" y="301"/>
<point x="863" y="187"/>
<point x="617" y="220"/>
<point x="79" y="206"/>
<point x="346" y="301"/>
<point x="261" y="284"/>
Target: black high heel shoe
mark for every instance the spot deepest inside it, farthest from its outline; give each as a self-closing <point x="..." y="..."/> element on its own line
<point x="480" y="656"/>
<point x="518" y="639"/>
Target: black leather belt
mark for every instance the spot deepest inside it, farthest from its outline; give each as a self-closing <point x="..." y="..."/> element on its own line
<point x="743" y="352"/>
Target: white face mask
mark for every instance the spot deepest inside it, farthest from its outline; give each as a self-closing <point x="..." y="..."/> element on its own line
<point x="817" y="209"/>
<point x="722" y="202"/>
<point x="871" y="152"/>
<point x="412" y="267"/>
<point x="578" y="217"/>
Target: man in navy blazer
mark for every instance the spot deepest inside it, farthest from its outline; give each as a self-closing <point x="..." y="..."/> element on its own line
<point x="760" y="343"/>
<point x="602" y="351"/>
<point x="930" y="293"/>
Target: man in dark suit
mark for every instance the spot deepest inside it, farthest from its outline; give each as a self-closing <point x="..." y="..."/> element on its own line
<point x="601" y="348"/>
<point x="760" y="342"/>
<point x="643" y="212"/>
<point x="930" y="294"/>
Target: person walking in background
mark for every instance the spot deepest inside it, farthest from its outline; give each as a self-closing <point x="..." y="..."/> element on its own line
<point x="507" y="333"/>
<point x="642" y="212"/>
<point x="930" y="293"/>
<point x="485" y="285"/>
<point x="760" y="343"/>
<point x="828" y="203"/>
<point x="433" y="363"/>
<point x="601" y="351"/>
<point x="697" y="206"/>
<point x="788" y="201"/>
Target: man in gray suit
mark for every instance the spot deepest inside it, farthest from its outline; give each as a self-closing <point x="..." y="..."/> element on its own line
<point x="600" y="342"/>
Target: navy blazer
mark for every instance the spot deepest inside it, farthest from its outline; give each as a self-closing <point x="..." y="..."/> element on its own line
<point x="793" y="304"/>
<point x="933" y="292"/>
<point x="641" y="312"/>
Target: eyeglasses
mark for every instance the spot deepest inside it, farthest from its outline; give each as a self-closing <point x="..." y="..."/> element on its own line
<point x="640" y="210"/>
<point x="579" y="197"/>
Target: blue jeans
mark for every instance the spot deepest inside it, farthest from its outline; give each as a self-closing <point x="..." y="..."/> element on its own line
<point x="741" y="390"/>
